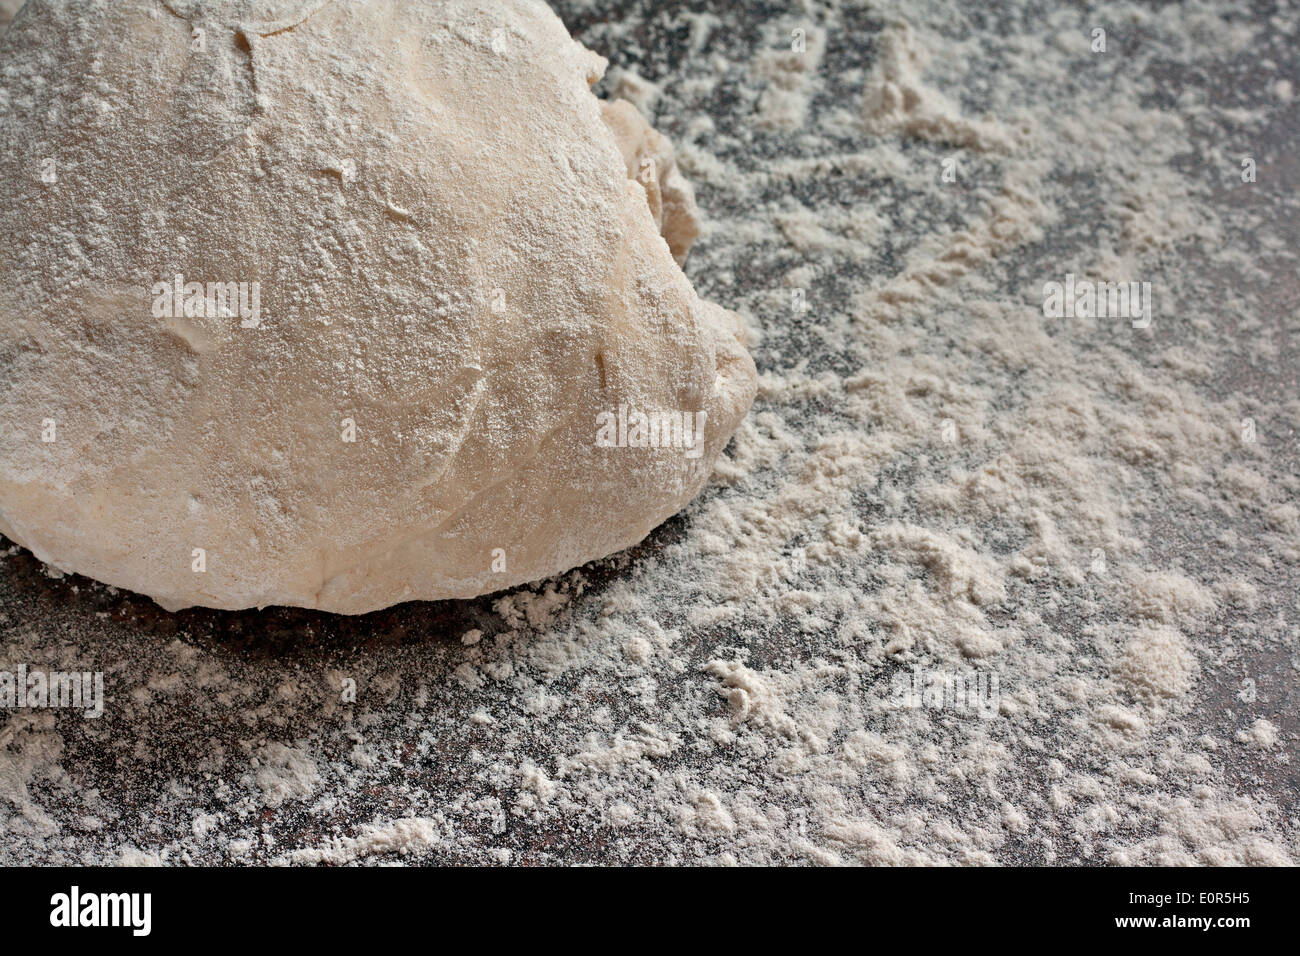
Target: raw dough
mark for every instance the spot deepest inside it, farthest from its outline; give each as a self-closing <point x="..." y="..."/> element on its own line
<point x="453" y="251"/>
<point x="649" y="159"/>
<point x="7" y="10"/>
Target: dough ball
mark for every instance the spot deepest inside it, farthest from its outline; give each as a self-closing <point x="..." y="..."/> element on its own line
<point x="8" y="8"/>
<point x="649" y="159"/>
<point x="340" y="304"/>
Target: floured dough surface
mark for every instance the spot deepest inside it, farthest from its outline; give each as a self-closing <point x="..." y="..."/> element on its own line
<point x="650" y="160"/>
<point x="462" y="259"/>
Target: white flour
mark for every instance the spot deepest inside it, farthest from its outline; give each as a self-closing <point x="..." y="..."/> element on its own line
<point x="937" y="483"/>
